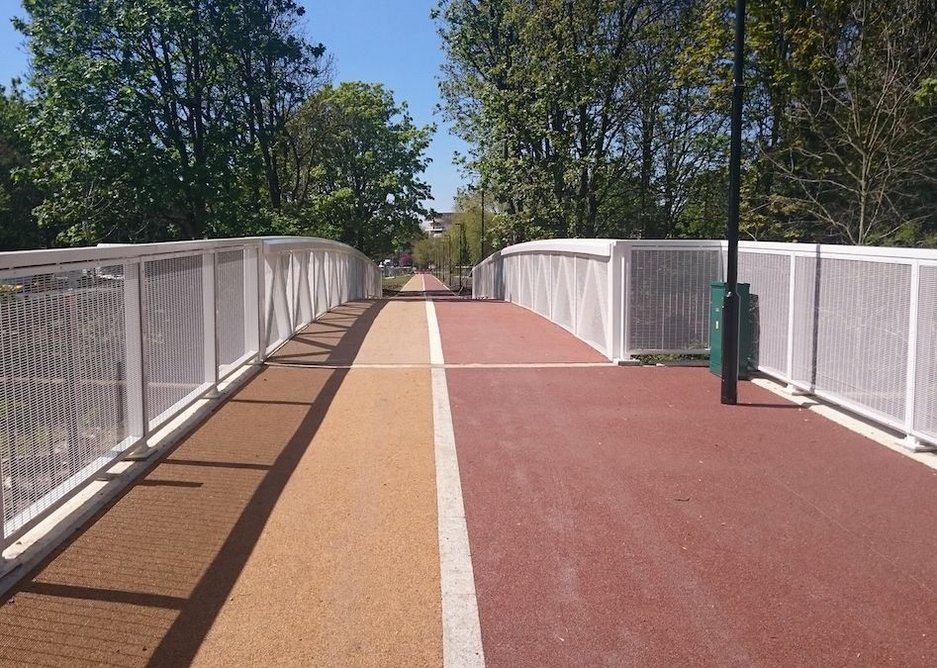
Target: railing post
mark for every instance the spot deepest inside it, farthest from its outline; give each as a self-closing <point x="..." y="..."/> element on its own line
<point x="327" y="278"/>
<point x="303" y="298"/>
<point x="289" y="290"/>
<point x="318" y="283"/>
<point x="577" y="291"/>
<point x="625" y="253"/>
<point x="791" y="303"/>
<point x="209" y="324"/>
<point x="137" y="422"/>
<point x="615" y="302"/>
<point x="910" y="441"/>
<point x="252" y="302"/>
<point x="552" y="283"/>
<point x="263" y="301"/>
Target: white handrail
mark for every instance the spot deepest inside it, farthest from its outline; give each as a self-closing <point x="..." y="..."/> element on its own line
<point x="102" y="346"/>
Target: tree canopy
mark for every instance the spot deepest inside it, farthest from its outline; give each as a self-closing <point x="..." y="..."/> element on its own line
<point x="167" y="119"/>
<point x="610" y="117"/>
<point x="358" y="160"/>
<point x="18" y="196"/>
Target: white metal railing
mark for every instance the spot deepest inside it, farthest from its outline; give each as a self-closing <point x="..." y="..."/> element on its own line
<point x="856" y="326"/>
<point x="100" y="347"/>
<point x="569" y="281"/>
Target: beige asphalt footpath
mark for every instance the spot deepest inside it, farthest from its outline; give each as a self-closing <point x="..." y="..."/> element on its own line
<point x="346" y="571"/>
<point x="297" y="526"/>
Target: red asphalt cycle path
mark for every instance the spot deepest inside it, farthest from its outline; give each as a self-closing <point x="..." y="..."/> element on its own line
<point x="622" y="516"/>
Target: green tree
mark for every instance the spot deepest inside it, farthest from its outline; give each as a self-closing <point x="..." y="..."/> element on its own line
<point x="18" y="195"/>
<point x="468" y="214"/>
<point x="541" y="89"/>
<point x="358" y="164"/>
<point x="862" y="166"/>
<point x="580" y="122"/>
<point x="429" y="251"/>
<point x="160" y="119"/>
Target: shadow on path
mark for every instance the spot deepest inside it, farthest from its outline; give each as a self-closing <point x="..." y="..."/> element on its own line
<point x="143" y="582"/>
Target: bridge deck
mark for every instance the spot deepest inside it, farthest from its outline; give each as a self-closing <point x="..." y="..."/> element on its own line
<point x="616" y="516"/>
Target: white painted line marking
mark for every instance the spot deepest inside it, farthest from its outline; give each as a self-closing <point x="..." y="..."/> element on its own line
<point x="417" y="365"/>
<point x="461" y="630"/>
<point x="856" y="425"/>
<point x="435" y="340"/>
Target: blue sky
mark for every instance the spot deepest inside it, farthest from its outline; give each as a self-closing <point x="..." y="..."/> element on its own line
<point x="394" y="43"/>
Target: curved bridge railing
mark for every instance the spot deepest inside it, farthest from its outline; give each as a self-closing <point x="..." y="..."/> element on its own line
<point x="856" y="326"/>
<point x="101" y="347"/>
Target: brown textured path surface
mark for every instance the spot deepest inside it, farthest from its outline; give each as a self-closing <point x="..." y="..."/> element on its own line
<point x="488" y="332"/>
<point x="296" y="526"/>
<point x="623" y="517"/>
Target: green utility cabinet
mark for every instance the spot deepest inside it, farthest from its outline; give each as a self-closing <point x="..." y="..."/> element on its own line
<point x="717" y="293"/>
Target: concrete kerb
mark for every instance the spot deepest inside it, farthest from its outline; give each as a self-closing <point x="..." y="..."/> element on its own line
<point x="855" y="423"/>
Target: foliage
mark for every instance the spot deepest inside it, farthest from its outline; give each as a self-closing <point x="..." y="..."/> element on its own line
<point x="356" y="175"/>
<point x="426" y="251"/>
<point x="161" y="119"/>
<point x="609" y="117"/>
<point x="862" y="163"/>
<point x="580" y="121"/>
<point x="18" y="195"/>
<point x="164" y="119"/>
<point x="461" y="242"/>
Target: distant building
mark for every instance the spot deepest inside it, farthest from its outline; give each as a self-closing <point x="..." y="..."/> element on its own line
<point x="438" y="225"/>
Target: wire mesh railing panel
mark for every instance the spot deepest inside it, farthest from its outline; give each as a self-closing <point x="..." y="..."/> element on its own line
<point x="669" y="298"/>
<point x="510" y="278"/>
<point x="62" y="385"/>
<point x="507" y="275"/>
<point x="321" y="295"/>
<point x="279" y="323"/>
<point x="543" y="286"/>
<point x="592" y="275"/>
<point x="768" y="276"/>
<point x="840" y="328"/>
<point x="851" y="331"/>
<point x="529" y="262"/>
<point x="925" y="394"/>
<point x="346" y="293"/>
<point x="565" y="286"/>
<point x="230" y="309"/>
<point x="302" y="298"/>
<point x="124" y="338"/>
<point x="517" y="267"/>
<point x="517" y="279"/>
<point x="522" y="264"/>
<point x="806" y="323"/>
<point x="490" y="279"/>
<point x="174" y="335"/>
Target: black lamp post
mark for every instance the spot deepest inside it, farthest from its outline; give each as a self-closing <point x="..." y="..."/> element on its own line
<point x="463" y="255"/>
<point x="730" y="305"/>
<point x="482" y="256"/>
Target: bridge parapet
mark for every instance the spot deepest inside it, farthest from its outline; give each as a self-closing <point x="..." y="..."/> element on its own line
<point x="856" y="326"/>
<point x="102" y="347"/>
